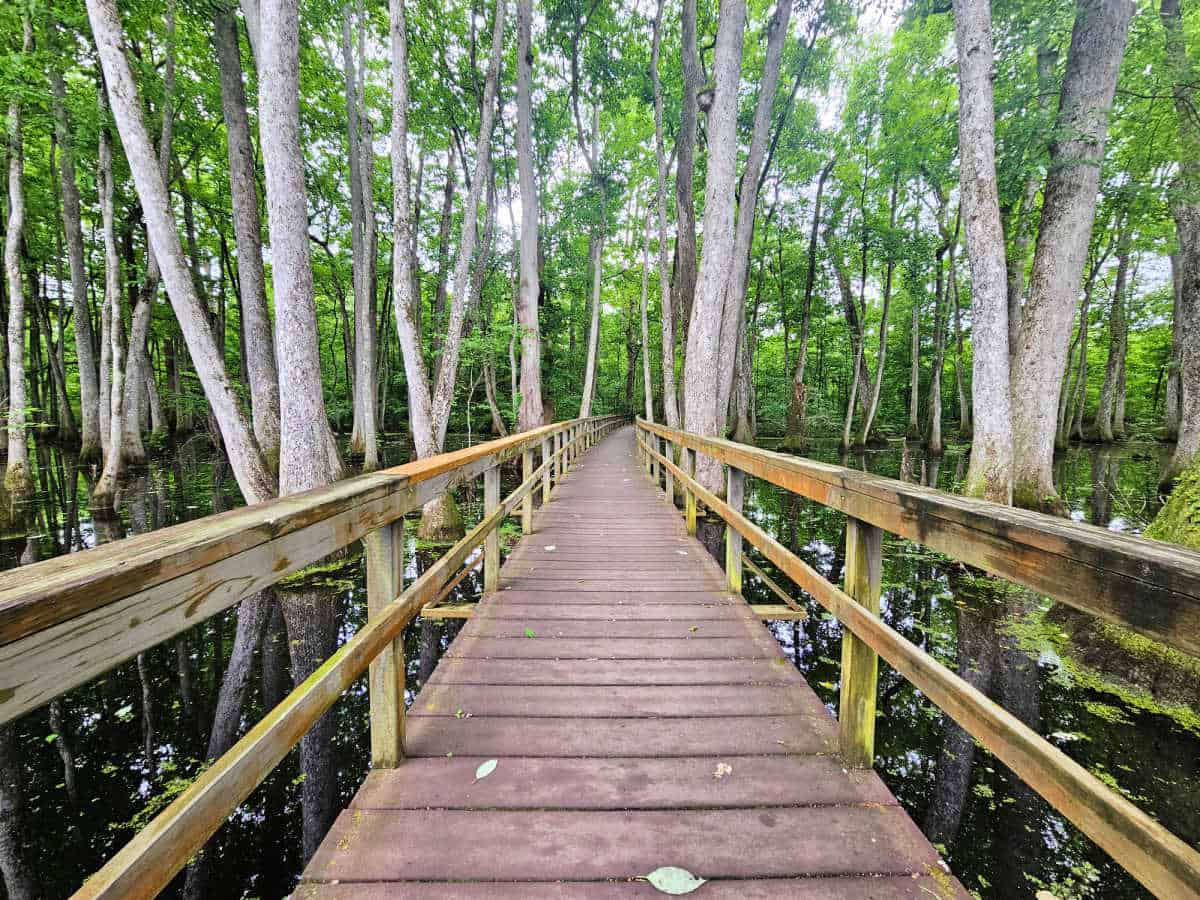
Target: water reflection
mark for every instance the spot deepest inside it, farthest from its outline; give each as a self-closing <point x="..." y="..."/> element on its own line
<point x="98" y="763"/>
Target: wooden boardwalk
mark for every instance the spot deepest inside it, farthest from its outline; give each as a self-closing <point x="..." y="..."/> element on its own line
<point x="641" y="716"/>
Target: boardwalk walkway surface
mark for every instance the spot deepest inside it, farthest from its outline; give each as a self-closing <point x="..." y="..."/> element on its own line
<point x="641" y="716"/>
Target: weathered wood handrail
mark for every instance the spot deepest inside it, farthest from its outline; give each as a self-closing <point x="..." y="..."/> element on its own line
<point x="974" y="532"/>
<point x="151" y="859"/>
<point x="66" y="620"/>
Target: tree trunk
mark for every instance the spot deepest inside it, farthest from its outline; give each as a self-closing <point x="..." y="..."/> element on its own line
<point x="872" y="406"/>
<point x="669" y="389"/>
<point x="105" y="490"/>
<point x="596" y="264"/>
<point x="684" y="288"/>
<point x="308" y="457"/>
<point x="990" y="472"/>
<point x="259" y="358"/>
<point x="1068" y="212"/>
<point x="733" y="317"/>
<point x="647" y="382"/>
<point x="702" y="414"/>
<point x="85" y="353"/>
<point x="17" y="479"/>
<point x="252" y="476"/>
<point x="531" y="414"/>
<point x="1118" y="336"/>
<point x="1171" y="411"/>
<point x="1185" y="208"/>
<point x="798" y="403"/>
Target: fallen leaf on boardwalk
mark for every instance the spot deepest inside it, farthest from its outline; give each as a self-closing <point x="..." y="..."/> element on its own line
<point x="551" y="547"/>
<point x="458" y="714"/>
<point x="681" y="552"/>
<point x="529" y="633"/>
<point x="673" y="880"/>
<point x="694" y="629"/>
<point x="485" y="769"/>
<point x="722" y="770"/>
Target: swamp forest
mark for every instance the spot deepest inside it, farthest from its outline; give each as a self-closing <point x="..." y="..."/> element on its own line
<point x="251" y="250"/>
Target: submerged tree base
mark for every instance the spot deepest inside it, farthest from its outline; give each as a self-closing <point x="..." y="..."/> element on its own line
<point x="1178" y="522"/>
<point x="441" y="521"/>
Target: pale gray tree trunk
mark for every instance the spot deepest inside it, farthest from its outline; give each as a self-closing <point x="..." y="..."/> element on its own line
<point x="531" y="414"/>
<point x="1171" y="403"/>
<point x="307" y="458"/>
<point x="990" y="472"/>
<point x="872" y="406"/>
<point x="733" y="316"/>
<point x="18" y="481"/>
<point x="443" y="393"/>
<point x="596" y="263"/>
<point x="647" y="381"/>
<point x="252" y="476"/>
<point x="1185" y="208"/>
<point x="684" y="287"/>
<point x="669" y="389"/>
<point x="105" y="490"/>
<point x="702" y="413"/>
<point x="798" y="403"/>
<point x="1068" y="212"/>
<point x="1118" y="338"/>
<point x="247" y="227"/>
<point x="85" y="352"/>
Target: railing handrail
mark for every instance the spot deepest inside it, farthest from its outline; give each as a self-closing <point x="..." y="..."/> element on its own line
<point x="146" y="864"/>
<point x="1158" y="859"/>
<point x="1148" y="586"/>
<point x="67" y="619"/>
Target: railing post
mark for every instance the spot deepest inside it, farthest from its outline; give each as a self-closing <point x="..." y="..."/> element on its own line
<point x="689" y="497"/>
<point x="546" y="467"/>
<point x="856" y="713"/>
<point x="735" y="486"/>
<point x="527" y="503"/>
<point x="668" y="451"/>
<point x="384" y="550"/>
<point x="491" y="543"/>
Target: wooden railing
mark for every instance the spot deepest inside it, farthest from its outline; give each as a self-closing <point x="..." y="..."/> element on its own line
<point x="1147" y="586"/>
<point x="67" y="620"/>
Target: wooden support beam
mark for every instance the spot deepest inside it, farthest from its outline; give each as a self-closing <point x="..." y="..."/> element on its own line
<point x="778" y="612"/>
<point x="527" y="504"/>
<point x="491" y="544"/>
<point x="735" y="485"/>
<point x="688" y="494"/>
<point x="860" y="665"/>
<point x="775" y="588"/>
<point x="547" y="479"/>
<point x="668" y="479"/>
<point x="449" y="611"/>
<point x="384" y="549"/>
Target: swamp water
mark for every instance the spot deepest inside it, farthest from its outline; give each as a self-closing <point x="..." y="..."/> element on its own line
<point x="99" y="763"/>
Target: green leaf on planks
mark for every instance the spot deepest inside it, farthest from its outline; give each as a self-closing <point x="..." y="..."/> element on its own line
<point x="673" y="880"/>
<point x="529" y="633"/>
<point x="485" y="769"/>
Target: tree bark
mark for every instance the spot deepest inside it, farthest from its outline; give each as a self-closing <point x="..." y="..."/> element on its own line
<point x="647" y="382"/>
<point x="1185" y="209"/>
<point x="669" y="389"/>
<point x="531" y="414"/>
<point x="702" y="414"/>
<point x="1171" y="404"/>
<point x="1068" y="212"/>
<point x="596" y="264"/>
<point x="85" y="352"/>
<point x="1118" y="338"/>
<point x="684" y="287"/>
<point x="872" y="406"/>
<point x="252" y="476"/>
<point x="247" y="226"/>
<point x="308" y="457"/>
<point x="798" y="403"/>
<point x="991" y="468"/>
<point x="18" y="481"/>
<point x="733" y="317"/>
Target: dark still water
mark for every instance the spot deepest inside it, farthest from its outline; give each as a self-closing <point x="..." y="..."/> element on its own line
<point x="99" y="763"/>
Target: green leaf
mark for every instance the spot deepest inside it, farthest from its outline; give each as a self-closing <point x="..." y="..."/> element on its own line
<point x="485" y="769"/>
<point x="529" y="633"/>
<point x="673" y="880"/>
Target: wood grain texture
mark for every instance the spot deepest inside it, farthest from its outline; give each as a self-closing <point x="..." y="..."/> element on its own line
<point x="640" y="715"/>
